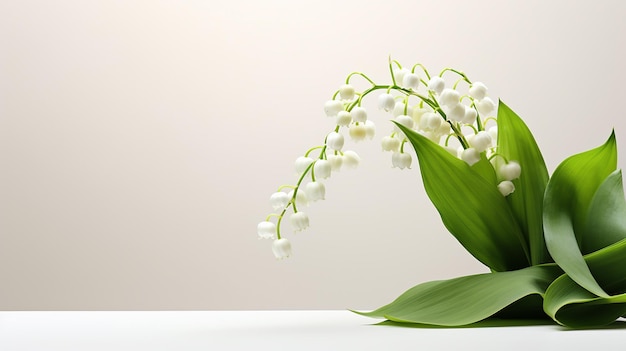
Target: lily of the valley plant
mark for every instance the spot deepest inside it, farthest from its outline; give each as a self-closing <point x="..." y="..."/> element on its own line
<point x="556" y="246"/>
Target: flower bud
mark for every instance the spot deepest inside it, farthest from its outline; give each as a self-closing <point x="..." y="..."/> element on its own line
<point x="336" y="161"/>
<point x="301" y="199"/>
<point x="493" y="131"/>
<point x="436" y="84"/>
<point x="351" y="159"/>
<point x="315" y="191"/>
<point x="506" y="188"/>
<point x="357" y="132"/>
<point x="344" y="118"/>
<point x="399" y="108"/>
<point x="456" y="112"/>
<point x="332" y="107"/>
<point x="430" y="121"/>
<point x="485" y="106"/>
<point x="335" y="141"/>
<point x="281" y="248"/>
<point x="322" y="169"/>
<point x="470" y="115"/>
<point x="370" y="129"/>
<point x="405" y="121"/>
<point x="481" y="141"/>
<point x="299" y="221"/>
<point x="399" y="74"/>
<point x="401" y="160"/>
<point x="390" y="144"/>
<point x="346" y="92"/>
<point x="386" y="102"/>
<point x="359" y="114"/>
<point x="266" y="230"/>
<point x="510" y="171"/>
<point x="478" y="90"/>
<point x="279" y="200"/>
<point x="449" y="97"/>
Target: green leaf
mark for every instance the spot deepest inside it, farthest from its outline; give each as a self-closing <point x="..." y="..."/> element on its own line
<point x="566" y="204"/>
<point x="608" y="267"/>
<point x="606" y="221"/>
<point x="516" y="143"/>
<point x="572" y="305"/>
<point x="466" y="300"/>
<point x="471" y="207"/>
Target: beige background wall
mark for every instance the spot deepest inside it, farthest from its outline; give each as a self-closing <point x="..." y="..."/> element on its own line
<point x="140" y="141"/>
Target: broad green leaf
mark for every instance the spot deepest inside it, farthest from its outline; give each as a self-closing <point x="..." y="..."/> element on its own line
<point x="572" y="305"/>
<point x="606" y="221"/>
<point x="608" y="267"/>
<point x="516" y="143"/>
<point x="566" y="203"/>
<point x="471" y="207"/>
<point x="469" y="299"/>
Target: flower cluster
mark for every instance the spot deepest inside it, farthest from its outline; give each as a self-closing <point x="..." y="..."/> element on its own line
<point x="453" y="115"/>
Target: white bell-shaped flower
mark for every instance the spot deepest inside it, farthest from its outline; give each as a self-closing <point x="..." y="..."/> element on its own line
<point x="302" y="163"/>
<point x="315" y="191"/>
<point x="357" y="132"/>
<point x="281" y="248"/>
<point x="436" y="84"/>
<point x="386" y="102"/>
<point x="401" y="160"/>
<point x="336" y="161"/>
<point x="510" y="171"/>
<point x="266" y="230"/>
<point x="322" y="169"/>
<point x="430" y="121"/>
<point x="493" y="131"/>
<point x="370" y="129"/>
<point x="411" y="81"/>
<point x="405" y="121"/>
<point x="279" y="200"/>
<point x="351" y="159"/>
<point x="299" y="221"/>
<point x="346" y="92"/>
<point x="301" y="199"/>
<point x="390" y="143"/>
<point x="481" y="141"/>
<point x="344" y="118"/>
<point x="455" y="112"/>
<point x="418" y="113"/>
<point x="478" y="90"/>
<point x="359" y="114"/>
<point x="486" y="106"/>
<point x="506" y="187"/>
<point x="449" y="97"/>
<point x="470" y="156"/>
<point x="335" y="141"/>
<point x="470" y="115"/>
<point x="399" y="73"/>
<point x="332" y="107"/>
<point x="400" y="108"/>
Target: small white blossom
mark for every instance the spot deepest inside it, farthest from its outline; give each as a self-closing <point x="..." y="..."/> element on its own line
<point x="506" y="187"/>
<point x="370" y="129"/>
<point x="322" y="169"/>
<point x="336" y="161"/>
<point x="405" y="121"/>
<point x="493" y="131"/>
<point x="281" y="248"/>
<point x="444" y="128"/>
<point x="449" y="97"/>
<point x="485" y="106"/>
<point x="510" y="171"/>
<point x="401" y="160"/>
<point x="386" y="102"/>
<point x="299" y="221"/>
<point x="351" y="159"/>
<point x="411" y="81"/>
<point x="470" y="115"/>
<point x="430" y="121"/>
<point x="417" y="114"/>
<point x="470" y="156"/>
<point x="399" y="109"/>
<point x="332" y="107"/>
<point x="302" y="163"/>
<point x="399" y="74"/>
<point x="455" y="112"/>
<point x="358" y="132"/>
<point x="346" y="92"/>
<point x="315" y="191"/>
<point x="478" y="90"/>
<point x="359" y="114"/>
<point x="436" y="84"/>
<point x="279" y="200"/>
<point x="335" y="141"/>
<point x="344" y="118"/>
<point x="266" y="230"/>
<point x="481" y="141"/>
<point x="301" y="199"/>
<point x="390" y="143"/>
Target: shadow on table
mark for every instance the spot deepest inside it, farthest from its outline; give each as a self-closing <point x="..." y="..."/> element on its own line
<point x="495" y="322"/>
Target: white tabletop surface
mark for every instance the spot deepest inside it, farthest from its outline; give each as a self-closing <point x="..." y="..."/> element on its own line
<point x="274" y="330"/>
